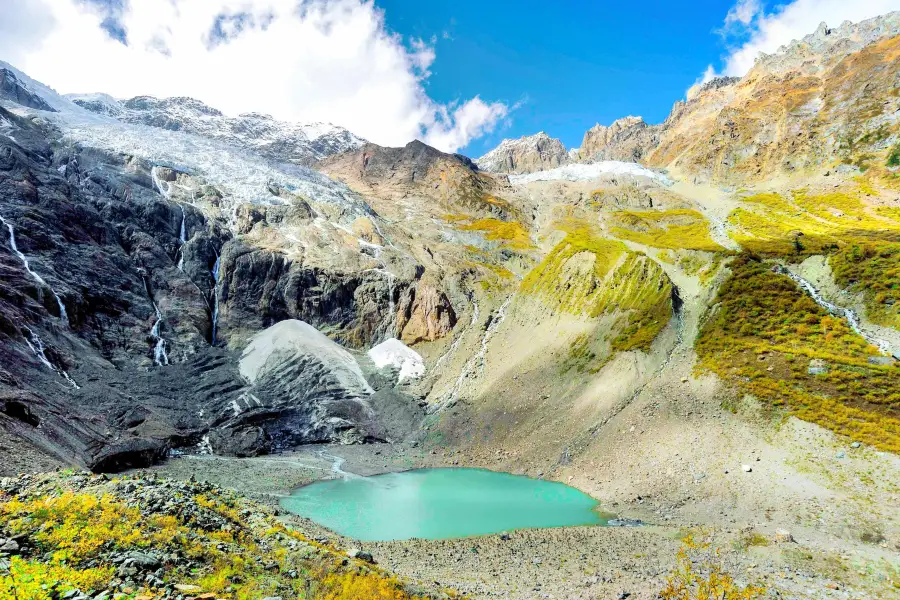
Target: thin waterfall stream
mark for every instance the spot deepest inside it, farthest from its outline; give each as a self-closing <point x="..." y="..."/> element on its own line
<point x="215" y="311"/>
<point x="160" y="354"/>
<point x="63" y="315"/>
<point x="40" y="351"/>
<point x="852" y="318"/>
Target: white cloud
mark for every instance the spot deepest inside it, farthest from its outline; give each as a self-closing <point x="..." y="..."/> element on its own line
<point x="454" y="126"/>
<point x="319" y="60"/>
<point x="743" y="12"/>
<point x="768" y="31"/>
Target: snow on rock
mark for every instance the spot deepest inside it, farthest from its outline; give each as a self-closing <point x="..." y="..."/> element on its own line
<point x="394" y="353"/>
<point x="588" y="171"/>
<point x="241" y="170"/>
<point x="274" y="349"/>
<point x="301" y="143"/>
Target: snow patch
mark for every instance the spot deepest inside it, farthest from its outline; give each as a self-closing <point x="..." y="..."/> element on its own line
<point x="586" y="172"/>
<point x="394" y="353"/>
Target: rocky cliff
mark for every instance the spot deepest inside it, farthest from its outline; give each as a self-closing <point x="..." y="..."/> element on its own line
<point x="627" y="139"/>
<point x="129" y="288"/>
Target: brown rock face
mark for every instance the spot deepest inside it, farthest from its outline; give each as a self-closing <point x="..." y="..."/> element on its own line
<point x="425" y="314"/>
<point x="627" y="139"/>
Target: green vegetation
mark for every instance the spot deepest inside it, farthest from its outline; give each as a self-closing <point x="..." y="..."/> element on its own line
<point x="226" y="547"/>
<point x="510" y="234"/>
<point x="676" y="229"/>
<point x="808" y="224"/>
<point x="893" y="159"/>
<point x="874" y="271"/>
<point x="763" y="336"/>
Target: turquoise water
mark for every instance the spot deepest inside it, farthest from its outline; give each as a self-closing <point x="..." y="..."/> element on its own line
<point x="440" y="503"/>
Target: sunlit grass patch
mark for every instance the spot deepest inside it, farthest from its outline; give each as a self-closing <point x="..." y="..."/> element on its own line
<point x="593" y="276"/>
<point x="872" y="270"/>
<point x="807" y="223"/>
<point x="675" y="229"/>
<point x="510" y="234"/>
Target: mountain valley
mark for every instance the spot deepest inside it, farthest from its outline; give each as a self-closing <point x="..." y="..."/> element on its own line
<point x="696" y="323"/>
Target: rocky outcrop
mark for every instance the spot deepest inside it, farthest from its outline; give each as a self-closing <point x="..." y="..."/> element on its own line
<point x="258" y="288"/>
<point x="815" y="51"/>
<point x="425" y="314"/>
<point x="628" y="139"/>
<point x="527" y="154"/>
<point x="450" y="180"/>
<point x="15" y="91"/>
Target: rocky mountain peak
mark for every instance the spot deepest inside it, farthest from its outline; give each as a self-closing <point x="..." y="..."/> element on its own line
<point x="527" y="154"/>
<point x="626" y="139"/>
<point x="302" y="143"/>
<point x="814" y="51"/>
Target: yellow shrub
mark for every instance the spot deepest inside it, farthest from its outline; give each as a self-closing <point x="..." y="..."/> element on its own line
<point x="30" y="580"/>
<point x="698" y="575"/>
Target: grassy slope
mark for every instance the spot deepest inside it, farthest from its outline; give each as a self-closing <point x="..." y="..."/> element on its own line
<point x="611" y="280"/>
<point x="762" y="337"/>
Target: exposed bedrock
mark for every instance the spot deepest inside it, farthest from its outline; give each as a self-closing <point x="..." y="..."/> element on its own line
<point x="108" y="295"/>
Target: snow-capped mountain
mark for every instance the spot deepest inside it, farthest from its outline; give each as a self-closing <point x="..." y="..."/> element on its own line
<point x="527" y="154"/>
<point x="301" y="143"/>
<point x="238" y="155"/>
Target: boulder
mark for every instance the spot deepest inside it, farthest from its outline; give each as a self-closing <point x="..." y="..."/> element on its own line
<point x="783" y="536"/>
<point x="359" y="554"/>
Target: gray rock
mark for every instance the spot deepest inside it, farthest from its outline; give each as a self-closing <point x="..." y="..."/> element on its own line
<point x="360" y="554"/>
<point x="527" y="154"/>
<point x="143" y="560"/>
<point x="817" y="366"/>
<point x="855" y="445"/>
<point x="625" y="523"/>
<point x="881" y="360"/>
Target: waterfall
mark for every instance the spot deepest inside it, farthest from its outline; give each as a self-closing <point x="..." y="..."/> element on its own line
<point x="215" y="313"/>
<point x="39" y="350"/>
<point x="160" y="354"/>
<point x="388" y="326"/>
<point x="63" y="315"/>
<point x="852" y="318"/>
<point x="158" y="183"/>
<point x="182" y="237"/>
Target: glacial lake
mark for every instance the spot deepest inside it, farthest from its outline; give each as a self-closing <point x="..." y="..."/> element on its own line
<point x="439" y="504"/>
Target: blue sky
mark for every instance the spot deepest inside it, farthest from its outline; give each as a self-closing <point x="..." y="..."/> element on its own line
<point x="459" y="75"/>
<point x="570" y="64"/>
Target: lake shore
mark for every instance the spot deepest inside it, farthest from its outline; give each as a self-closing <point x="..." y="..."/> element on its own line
<point x="571" y="562"/>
